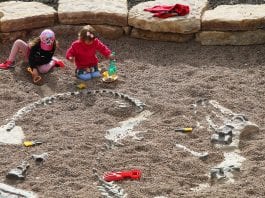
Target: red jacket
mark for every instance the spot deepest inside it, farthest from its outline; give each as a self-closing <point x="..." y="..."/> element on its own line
<point x="85" y="55"/>
<point x="165" y="11"/>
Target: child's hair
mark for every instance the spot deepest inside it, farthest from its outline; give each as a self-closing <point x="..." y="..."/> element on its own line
<point x="34" y="41"/>
<point x="87" y="34"/>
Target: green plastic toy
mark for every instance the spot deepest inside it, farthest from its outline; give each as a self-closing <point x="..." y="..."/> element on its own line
<point x="112" y="66"/>
<point x="111" y="74"/>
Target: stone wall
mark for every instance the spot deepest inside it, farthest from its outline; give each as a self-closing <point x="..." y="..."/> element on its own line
<point x="242" y="24"/>
<point x="233" y="25"/>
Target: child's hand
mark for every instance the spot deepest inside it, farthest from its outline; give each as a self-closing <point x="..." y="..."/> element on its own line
<point x="112" y="57"/>
<point x="71" y="59"/>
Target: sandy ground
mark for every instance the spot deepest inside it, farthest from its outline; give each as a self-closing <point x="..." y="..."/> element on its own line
<point x="169" y="78"/>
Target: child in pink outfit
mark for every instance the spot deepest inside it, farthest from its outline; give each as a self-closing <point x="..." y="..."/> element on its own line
<point x="83" y="53"/>
<point x="39" y="53"/>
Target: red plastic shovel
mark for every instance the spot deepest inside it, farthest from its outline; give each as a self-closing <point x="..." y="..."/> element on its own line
<point x="116" y="176"/>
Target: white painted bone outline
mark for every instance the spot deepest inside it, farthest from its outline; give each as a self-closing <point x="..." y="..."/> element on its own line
<point x="105" y="188"/>
<point x="230" y="151"/>
<point x="49" y="99"/>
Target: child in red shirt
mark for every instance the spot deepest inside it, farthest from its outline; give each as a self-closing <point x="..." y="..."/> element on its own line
<point x="83" y="53"/>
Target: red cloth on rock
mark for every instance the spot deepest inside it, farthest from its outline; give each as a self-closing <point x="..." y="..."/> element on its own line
<point x="165" y="11"/>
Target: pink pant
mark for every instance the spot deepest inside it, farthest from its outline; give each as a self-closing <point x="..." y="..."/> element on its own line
<point x="23" y="48"/>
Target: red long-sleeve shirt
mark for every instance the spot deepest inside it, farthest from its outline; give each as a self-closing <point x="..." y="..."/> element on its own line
<point x="85" y="54"/>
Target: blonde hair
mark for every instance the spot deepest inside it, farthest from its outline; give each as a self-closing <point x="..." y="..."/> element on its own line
<point x="34" y="41"/>
<point x="87" y="34"/>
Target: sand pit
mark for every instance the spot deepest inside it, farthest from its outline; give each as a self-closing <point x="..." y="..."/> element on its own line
<point x="177" y="83"/>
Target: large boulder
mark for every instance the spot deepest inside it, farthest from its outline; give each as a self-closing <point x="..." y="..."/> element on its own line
<point x="188" y="24"/>
<point x="12" y="36"/>
<point x="231" y="38"/>
<point x="18" y="16"/>
<point x="59" y="30"/>
<point x="234" y="17"/>
<point x="105" y="31"/>
<point x="109" y="31"/>
<point x="102" y="12"/>
<point x="161" y="36"/>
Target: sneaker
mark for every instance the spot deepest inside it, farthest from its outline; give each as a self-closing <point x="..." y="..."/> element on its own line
<point x="7" y="64"/>
<point x="59" y="63"/>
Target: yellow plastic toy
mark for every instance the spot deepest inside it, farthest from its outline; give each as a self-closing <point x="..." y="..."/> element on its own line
<point x="81" y="86"/>
<point x="36" y="78"/>
<point x="107" y="78"/>
<point x="31" y="143"/>
<point x="183" y="130"/>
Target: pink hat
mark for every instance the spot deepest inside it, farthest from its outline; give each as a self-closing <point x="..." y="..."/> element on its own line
<point x="47" y="38"/>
